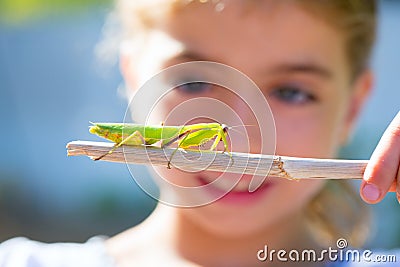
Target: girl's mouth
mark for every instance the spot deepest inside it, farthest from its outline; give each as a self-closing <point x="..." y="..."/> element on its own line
<point x="229" y="193"/>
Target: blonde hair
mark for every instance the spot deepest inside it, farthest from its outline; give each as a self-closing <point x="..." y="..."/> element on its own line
<point x="336" y="211"/>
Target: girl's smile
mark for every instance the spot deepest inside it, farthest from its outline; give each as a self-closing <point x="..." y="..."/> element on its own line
<point x="237" y="195"/>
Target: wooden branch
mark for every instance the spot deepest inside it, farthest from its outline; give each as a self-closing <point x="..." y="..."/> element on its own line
<point x="254" y="164"/>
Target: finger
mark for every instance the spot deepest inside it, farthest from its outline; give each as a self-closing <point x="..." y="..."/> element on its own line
<point x="383" y="166"/>
<point x="398" y="184"/>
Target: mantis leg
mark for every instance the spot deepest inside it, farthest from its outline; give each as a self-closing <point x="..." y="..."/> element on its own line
<point x="217" y="139"/>
<point x="136" y="134"/>
<point x="179" y="136"/>
<point x="221" y="137"/>
<point x="184" y="135"/>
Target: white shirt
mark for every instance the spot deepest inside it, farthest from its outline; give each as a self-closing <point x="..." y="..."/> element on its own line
<point x="22" y="252"/>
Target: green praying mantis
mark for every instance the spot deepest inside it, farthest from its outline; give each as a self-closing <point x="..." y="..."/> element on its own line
<point x="187" y="136"/>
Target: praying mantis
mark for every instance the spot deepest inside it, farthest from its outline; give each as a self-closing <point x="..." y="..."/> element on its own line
<point x="193" y="135"/>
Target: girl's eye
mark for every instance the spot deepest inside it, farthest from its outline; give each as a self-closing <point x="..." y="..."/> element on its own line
<point x="194" y="88"/>
<point x="293" y="95"/>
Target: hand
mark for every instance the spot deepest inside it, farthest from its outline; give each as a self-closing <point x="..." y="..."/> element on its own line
<point x="382" y="173"/>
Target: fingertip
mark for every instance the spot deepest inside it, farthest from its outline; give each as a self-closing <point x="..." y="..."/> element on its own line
<point x="370" y="193"/>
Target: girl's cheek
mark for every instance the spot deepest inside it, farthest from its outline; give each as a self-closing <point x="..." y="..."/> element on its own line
<point x="302" y="136"/>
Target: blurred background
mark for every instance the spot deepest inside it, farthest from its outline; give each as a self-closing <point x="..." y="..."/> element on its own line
<point x="52" y="85"/>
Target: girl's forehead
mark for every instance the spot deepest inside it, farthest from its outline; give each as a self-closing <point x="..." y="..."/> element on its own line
<point x="284" y="31"/>
<point x="221" y="5"/>
<point x="263" y="18"/>
<point x="238" y="8"/>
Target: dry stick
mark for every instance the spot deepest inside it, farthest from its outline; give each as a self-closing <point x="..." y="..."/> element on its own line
<point x="190" y="160"/>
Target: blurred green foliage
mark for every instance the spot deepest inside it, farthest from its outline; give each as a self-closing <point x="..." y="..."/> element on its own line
<point x="15" y="11"/>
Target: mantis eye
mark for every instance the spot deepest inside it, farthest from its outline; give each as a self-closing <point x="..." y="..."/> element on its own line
<point x="194" y="88"/>
<point x="225" y="128"/>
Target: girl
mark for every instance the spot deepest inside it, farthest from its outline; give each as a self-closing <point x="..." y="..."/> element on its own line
<point x="310" y="61"/>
